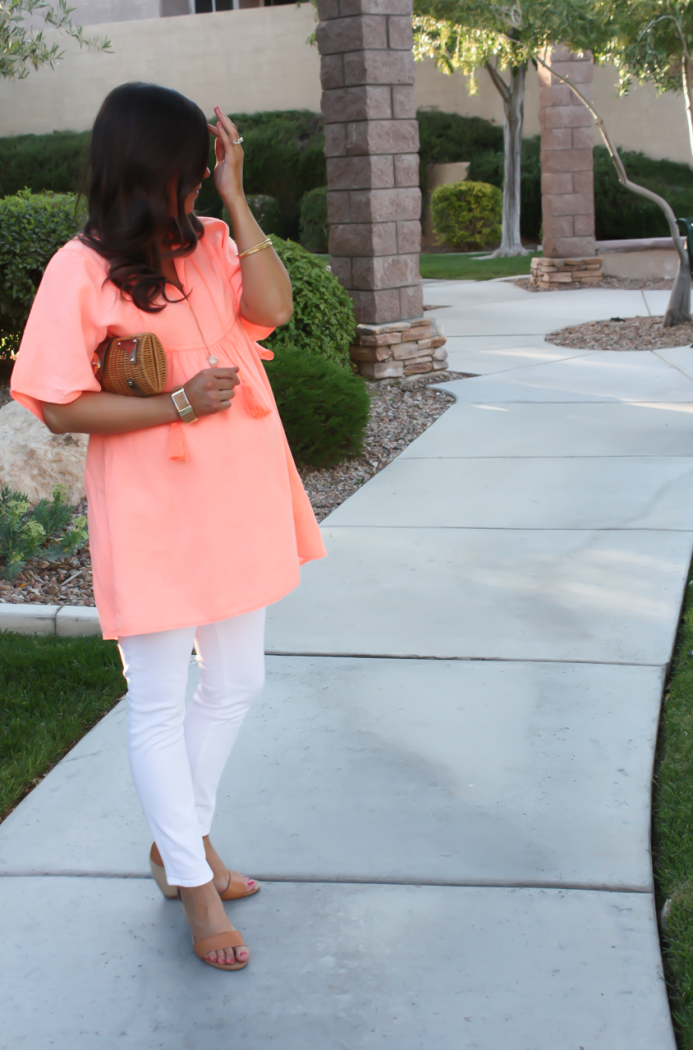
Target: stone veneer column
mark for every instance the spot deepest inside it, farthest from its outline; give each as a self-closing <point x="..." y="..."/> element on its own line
<point x="371" y="146"/>
<point x="567" y="185"/>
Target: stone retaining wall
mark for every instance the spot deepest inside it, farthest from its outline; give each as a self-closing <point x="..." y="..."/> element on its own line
<point x="403" y="348"/>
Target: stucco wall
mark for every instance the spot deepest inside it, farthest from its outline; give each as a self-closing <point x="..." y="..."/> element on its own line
<point x="243" y="61"/>
<point x="259" y="59"/>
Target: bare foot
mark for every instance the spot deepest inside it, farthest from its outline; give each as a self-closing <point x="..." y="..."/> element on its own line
<point x="207" y="918"/>
<point x="221" y="872"/>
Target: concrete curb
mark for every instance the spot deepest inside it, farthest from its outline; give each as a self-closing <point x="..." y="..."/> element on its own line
<point x="66" y="621"/>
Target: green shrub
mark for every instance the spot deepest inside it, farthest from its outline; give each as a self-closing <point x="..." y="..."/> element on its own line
<point x="266" y="211"/>
<point x="32" y="228"/>
<point x="42" y="162"/>
<point x="45" y="529"/>
<point x="488" y="167"/>
<point x="314" y="220"/>
<point x="323" y="321"/>
<point x="467" y="215"/>
<point x="284" y="157"/>
<point x="448" y="137"/>
<point x="324" y="407"/>
<point x="619" y="214"/>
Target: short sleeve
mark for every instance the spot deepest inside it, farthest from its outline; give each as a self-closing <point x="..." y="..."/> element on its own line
<point x="229" y="252"/>
<point x="64" y="328"/>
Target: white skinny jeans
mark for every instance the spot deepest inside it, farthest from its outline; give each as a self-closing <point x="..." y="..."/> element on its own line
<point x="177" y="756"/>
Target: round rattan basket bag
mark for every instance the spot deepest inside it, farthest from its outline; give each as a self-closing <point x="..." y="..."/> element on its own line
<point x="134" y="366"/>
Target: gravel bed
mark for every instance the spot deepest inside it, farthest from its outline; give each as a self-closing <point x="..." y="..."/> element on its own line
<point x="631" y="333"/>
<point x="653" y="284"/>
<point x="401" y="409"/>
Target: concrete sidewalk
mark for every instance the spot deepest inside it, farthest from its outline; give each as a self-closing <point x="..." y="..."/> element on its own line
<point x="446" y="786"/>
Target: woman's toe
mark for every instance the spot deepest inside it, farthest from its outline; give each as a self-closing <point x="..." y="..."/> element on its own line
<point x="242" y="954"/>
<point x="250" y="885"/>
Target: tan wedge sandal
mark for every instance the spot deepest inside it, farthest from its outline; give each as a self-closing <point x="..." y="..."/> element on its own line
<point x="235" y="887"/>
<point x="217" y="942"/>
<point x="230" y="939"/>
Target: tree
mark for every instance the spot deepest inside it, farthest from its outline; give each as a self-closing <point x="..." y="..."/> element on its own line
<point x="652" y="41"/>
<point x="467" y="35"/>
<point x="643" y="37"/>
<point x="22" y="47"/>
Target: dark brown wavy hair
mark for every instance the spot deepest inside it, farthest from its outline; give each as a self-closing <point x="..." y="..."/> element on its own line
<point x="144" y="136"/>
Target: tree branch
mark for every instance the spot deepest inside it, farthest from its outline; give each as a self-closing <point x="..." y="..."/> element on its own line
<point x="498" y="81"/>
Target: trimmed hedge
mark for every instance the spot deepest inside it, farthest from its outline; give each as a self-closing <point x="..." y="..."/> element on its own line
<point x="324" y="407"/>
<point x="284" y="159"/>
<point x="467" y="215"/>
<point x="323" y="321"/>
<point x="32" y="228"/>
<point x="486" y="166"/>
<point x="314" y="231"/>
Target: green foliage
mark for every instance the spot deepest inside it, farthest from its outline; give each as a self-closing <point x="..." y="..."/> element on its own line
<point x="32" y="228"/>
<point x="52" y="691"/>
<point x="647" y="42"/>
<point x="314" y="231"/>
<point x="446" y="138"/>
<point x="266" y="211"/>
<point x="467" y="215"/>
<point x="50" y="528"/>
<point x="324" y="407"/>
<point x="673" y="828"/>
<point x="486" y="166"/>
<point x="284" y="153"/>
<point x="22" y="46"/>
<point x="618" y="213"/>
<point x="323" y="321"/>
<point x="464" y="35"/>
<point x="43" y="163"/>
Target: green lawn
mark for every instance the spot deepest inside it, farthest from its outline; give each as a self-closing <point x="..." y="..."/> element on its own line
<point x="459" y="267"/>
<point x="672" y="826"/>
<point x="52" y="690"/>
<point x="455" y="267"/>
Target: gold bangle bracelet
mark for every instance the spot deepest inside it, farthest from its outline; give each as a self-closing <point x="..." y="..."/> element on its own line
<point x="267" y="243"/>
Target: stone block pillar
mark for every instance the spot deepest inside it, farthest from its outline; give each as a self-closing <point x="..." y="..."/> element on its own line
<point x="567" y="184"/>
<point x="371" y="146"/>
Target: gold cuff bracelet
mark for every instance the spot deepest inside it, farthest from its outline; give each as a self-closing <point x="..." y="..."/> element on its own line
<point x="267" y="243"/>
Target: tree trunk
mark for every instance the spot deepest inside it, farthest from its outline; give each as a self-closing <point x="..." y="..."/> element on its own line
<point x="686" y="78"/>
<point x="679" y="305"/>
<point x="513" y="96"/>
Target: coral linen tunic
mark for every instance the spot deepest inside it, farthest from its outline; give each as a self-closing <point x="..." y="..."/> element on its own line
<point x="188" y="523"/>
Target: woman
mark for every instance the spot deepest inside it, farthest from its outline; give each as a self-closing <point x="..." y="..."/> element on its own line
<point x="197" y="516"/>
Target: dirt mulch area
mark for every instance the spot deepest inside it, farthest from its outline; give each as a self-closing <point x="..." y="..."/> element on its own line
<point x="632" y="284"/>
<point x="401" y="409"/>
<point x="632" y="333"/>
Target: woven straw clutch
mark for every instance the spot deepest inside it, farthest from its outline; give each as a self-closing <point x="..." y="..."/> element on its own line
<point x="134" y="366"/>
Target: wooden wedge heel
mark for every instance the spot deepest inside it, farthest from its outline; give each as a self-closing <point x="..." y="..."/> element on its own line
<point x="236" y="887"/>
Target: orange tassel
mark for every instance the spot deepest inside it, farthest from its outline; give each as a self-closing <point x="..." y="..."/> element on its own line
<point x="253" y="405"/>
<point x="177" y="448"/>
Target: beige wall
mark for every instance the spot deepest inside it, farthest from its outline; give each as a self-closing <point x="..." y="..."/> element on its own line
<point x="243" y="61"/>
<point x="259" y="59"/>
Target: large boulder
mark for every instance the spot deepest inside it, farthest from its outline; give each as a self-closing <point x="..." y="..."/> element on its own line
<point x="34" y="461"/>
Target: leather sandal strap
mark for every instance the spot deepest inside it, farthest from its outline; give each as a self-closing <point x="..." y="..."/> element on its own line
<point x="230" y="939"/>
<point x="235" y="888"/>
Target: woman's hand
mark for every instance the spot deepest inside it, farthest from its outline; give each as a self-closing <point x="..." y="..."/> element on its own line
<point x="208" y="392"/>
<point x="212" y="390"/>
<point x="228" y="171"/>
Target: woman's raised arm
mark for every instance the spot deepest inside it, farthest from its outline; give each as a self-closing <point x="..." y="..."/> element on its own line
<point x="267" y="298"/>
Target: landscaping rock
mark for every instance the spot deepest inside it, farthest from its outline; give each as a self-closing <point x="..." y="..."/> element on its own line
<point x="34" y="461"/>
